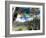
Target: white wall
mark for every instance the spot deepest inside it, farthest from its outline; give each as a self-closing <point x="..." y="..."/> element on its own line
<point x="2" y="19"/>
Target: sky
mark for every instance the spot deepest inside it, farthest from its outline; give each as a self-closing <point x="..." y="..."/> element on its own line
<point x="26" y="14"/>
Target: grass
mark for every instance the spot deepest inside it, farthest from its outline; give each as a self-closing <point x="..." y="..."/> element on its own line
<point x="20" y="28"/>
